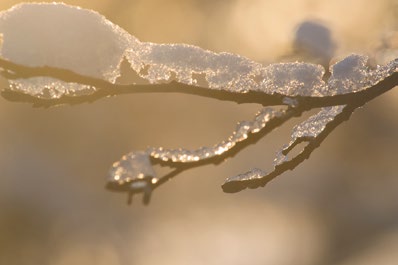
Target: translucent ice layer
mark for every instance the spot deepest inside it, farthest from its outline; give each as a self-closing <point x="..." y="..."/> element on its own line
<point x="47" y="87"/>
<point x="134" y="173"/>
<point x="83" y="41"/>
<point x="308" y="130"/>
<point x="249" y="178"/>
<point x="131" y="168"/>
<point x="241" y="133"/>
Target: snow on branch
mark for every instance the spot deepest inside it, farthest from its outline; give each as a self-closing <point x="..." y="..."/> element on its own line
<point x="54" y="53"/>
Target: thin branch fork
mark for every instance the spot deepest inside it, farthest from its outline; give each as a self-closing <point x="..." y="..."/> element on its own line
<point x="352" y="101"/>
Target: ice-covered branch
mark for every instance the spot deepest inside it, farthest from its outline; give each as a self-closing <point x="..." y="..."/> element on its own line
<point x="84" y="42"/>
<point x="309" y="131"/>
<point x="52" y="53"/>
<point x="134" y="172"/>
<point x="243" y="129"/>
<point x="312" y="131"/>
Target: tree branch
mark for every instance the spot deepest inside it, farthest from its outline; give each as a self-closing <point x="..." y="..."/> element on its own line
<point x="353" y="101"/>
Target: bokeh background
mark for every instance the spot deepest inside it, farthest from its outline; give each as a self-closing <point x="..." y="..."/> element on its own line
<point x="338" y="208"/>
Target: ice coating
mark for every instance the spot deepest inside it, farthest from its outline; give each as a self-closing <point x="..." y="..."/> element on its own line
<point x="352" y="74"/>
<point x="250" y="176"/>
<point x="133" y="173"/>
<point x="308" y="130"/>
<point x="241" y="133"/>
<point x="61" y="36"/>
<point x="132" y="167"/>
<point x="293" y="79"/>
<point x="225" y="71"/>
<point x="234" y="73"/>
<point x="315" y="124"/>
<point x="221" y="70"/>
<point x="349" y="74"/>
<point x="83" y="41"/>
<point x="47" y="87"/>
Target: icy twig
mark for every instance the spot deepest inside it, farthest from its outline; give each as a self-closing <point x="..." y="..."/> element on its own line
<point x="49" y="58"/>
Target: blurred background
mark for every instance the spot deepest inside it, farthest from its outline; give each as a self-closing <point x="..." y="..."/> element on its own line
<point x="340" y="207"/>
